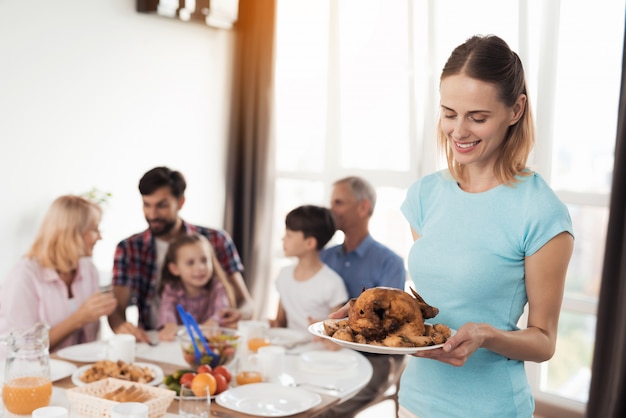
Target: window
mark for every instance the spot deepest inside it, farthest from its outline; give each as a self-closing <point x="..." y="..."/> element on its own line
<point x="363" y="79"/>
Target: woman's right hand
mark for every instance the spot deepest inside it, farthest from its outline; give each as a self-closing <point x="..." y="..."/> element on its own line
<point x="97" y="305"/>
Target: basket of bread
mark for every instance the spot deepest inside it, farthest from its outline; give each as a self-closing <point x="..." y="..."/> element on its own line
<point x="96" y="399"/>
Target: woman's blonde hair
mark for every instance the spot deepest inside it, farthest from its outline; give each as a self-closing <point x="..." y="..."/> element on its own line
<point x="171" y="256"/>
<point x="59" y="243"/>
<point x="489" y="59"/>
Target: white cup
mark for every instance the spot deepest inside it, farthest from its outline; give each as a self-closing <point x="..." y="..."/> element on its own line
<point x="130" y="410"/>
<point x="50" y="412"/>
<point x="271" y="361"/>
<point x="121" y="347"/>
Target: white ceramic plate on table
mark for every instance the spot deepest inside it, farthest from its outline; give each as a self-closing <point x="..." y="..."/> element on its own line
<point x="287" y="337"/>
<point x="84" y="353"/>
<point x="60" y="369"/>
<point x="268" y="400"/>
<point x="156" y="370"/>
<point x="318" y="329"/>
<point x="326" y="361"/>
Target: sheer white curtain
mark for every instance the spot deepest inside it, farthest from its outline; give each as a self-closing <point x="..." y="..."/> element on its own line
<point x="357" y="93"/>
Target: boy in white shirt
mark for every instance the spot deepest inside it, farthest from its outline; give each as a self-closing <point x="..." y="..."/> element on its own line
<point x="309" y="290"/>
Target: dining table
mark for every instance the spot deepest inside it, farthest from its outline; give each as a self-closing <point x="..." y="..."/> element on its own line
<point x="335" y="375"/>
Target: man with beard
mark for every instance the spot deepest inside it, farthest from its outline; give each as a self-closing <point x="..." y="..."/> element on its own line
<point x="139" y="259"/>
<point x="363" y="263"/>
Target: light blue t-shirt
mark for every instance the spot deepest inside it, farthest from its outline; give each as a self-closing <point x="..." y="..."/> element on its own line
<point x="469" y="263"/>
<point x="371" y="264"/>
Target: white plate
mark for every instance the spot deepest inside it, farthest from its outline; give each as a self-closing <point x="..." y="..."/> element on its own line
<point x="84" y="353"/>
<point x="326" y="361"/>
<point x="158" y="374"/>
<point x="287" y="337"/>
<point x="318" y="329"/>
<point x="60" y="369"/>
<point x="268" y="400"/>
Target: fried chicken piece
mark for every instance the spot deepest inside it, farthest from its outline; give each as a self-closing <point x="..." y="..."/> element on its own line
<point x="344" y="334"/>
<point x="397" y="341"/>
<point x="438" y="338"/>
<point x="330" y="326"/>
<point x="342" y="323"/>
<point x="443" y="330"/>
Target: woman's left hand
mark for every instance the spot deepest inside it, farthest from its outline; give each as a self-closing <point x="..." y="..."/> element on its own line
<point x="459" y="347"/>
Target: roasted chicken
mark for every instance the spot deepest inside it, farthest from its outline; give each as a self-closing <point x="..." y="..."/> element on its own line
<point x="390" y="317"/>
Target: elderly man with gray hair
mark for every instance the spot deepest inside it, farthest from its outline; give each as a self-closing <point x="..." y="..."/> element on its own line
<point x="363" y="263"/>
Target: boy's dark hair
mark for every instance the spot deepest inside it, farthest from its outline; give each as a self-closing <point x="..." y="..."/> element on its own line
<point x="163" y="177"/>
<point x="313" y="221"/>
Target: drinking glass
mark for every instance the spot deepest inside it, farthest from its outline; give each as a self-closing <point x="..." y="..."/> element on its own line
<point x="257" y="338"/>
<point x="191" y="405"/>
<point x="254" y="334"/>
<point x="248" y="370"/>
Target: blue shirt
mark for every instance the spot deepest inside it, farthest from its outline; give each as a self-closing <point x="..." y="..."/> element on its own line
<point x="469" y="263"/>
<point x="371" y="264"/>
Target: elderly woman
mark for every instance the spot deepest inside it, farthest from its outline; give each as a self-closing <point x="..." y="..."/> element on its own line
<point x="56" y="282"/>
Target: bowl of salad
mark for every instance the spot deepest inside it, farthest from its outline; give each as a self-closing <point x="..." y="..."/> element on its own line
<point x="222" y="341"/>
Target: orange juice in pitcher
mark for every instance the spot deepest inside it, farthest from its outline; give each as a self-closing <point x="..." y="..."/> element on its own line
<point x="27" y="384"/>
<point x="23" y="395"/>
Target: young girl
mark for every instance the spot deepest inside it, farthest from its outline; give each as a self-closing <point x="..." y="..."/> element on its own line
<point x="192" y="277"/>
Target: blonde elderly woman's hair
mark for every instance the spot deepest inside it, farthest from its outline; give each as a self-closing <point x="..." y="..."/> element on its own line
<point x="59" y="243"/>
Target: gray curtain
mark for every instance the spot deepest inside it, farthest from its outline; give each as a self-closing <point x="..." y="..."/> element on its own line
<point x="607" y="394"/>
<point x="249" y="184"/>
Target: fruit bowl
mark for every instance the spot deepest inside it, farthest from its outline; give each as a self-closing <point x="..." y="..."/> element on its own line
<point x="222" y="341"/>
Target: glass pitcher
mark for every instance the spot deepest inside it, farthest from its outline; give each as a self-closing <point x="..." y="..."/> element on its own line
<point x="27" y="384"/>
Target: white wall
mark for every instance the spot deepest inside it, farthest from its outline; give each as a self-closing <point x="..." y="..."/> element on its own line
<point x="93" y="94"/>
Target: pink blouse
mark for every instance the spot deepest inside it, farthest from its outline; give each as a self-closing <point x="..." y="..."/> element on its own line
<point x="31" y="294"/>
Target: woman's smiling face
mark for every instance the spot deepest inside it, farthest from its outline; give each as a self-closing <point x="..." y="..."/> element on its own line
<point x="474" y="119"/>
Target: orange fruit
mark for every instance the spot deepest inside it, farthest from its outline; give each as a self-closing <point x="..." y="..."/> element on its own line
<point x="201" y="382"/>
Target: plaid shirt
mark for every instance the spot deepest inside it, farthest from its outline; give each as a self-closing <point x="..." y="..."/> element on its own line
<point x="135" y="266"/>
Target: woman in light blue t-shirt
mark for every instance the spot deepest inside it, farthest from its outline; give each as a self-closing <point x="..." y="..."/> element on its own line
<point x="490" y="237"/>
